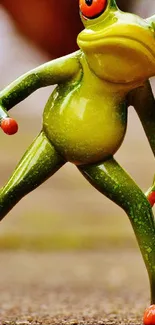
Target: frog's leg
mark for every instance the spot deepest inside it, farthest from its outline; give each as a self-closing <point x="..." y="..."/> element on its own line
<point x="110" y="179"/>
<point x="39" y="162"/>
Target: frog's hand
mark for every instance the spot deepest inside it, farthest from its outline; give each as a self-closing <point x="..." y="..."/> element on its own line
<point x="57" y="71"/>
<point x="150" y="194"/>
<point x="143" y="101"/>
<point x="151" y="21"/>
<point x="7" y="124"/>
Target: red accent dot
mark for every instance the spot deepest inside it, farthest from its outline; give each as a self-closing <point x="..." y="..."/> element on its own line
<point x="9" y="126"/>
<point x="149" y="316"/>
<point x="151" y="198"/>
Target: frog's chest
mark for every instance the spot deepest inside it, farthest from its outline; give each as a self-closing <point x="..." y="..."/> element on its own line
<point x="84" y="127"/>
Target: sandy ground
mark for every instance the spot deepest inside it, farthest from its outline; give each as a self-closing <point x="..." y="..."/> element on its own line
<point x="105" y="288"/>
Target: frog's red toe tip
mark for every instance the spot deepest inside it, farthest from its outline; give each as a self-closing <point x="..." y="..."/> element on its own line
<point x="149" y="316"/>
<point x="9" y="126"/>
<point x="151" y="198"/>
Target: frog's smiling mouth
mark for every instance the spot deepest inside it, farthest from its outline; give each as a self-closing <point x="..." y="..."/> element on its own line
<point x="121" y="35"/>
<point x="124" y="55"/>
<point x="117" y="40"/>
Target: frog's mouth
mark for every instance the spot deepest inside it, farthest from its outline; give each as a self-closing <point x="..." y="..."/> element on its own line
<point x="115" y="40"/>
<point x="124" y="53"/>
<point x="134" y="34"/>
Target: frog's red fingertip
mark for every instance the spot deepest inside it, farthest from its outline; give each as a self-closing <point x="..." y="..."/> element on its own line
<point x="9" y="126"/>
<point x="149" y="316"/>
<point x="151" y="198"/>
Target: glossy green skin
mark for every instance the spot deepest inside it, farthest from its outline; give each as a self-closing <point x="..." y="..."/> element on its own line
<point x="84" y="121"/>
<point x="85" y="118"/>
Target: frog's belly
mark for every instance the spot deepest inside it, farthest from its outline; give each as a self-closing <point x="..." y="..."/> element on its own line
<point x="82" y="136"/>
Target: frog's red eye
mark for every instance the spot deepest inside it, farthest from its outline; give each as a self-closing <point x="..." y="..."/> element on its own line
<point x="92" y="8"/>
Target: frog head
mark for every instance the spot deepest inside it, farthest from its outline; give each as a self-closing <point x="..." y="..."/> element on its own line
<point x="119" y="47"/>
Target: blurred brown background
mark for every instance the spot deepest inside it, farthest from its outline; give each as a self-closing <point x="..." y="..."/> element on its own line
<point x="65" y="212"/>
<point x="44" y="20"/>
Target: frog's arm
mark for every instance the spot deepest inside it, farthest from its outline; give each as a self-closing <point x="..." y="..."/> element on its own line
<point x="54" y="72"/>
<point x="143" y="101"/>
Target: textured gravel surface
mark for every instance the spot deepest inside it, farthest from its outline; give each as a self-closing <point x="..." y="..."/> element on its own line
<point x="109" y="287"/>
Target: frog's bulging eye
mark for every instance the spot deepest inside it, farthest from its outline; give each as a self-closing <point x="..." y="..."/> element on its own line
<point x="92" y="8"/>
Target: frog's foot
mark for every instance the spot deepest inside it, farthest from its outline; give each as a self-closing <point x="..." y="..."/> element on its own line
<point x="149" y="316"/>
<point x="39" y="163"/>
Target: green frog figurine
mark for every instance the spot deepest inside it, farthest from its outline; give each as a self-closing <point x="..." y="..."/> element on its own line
<point x="85" y="118"/>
